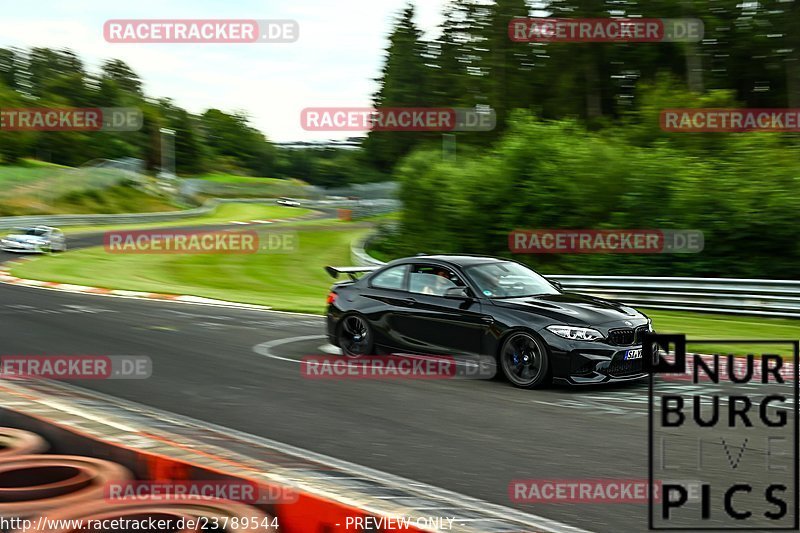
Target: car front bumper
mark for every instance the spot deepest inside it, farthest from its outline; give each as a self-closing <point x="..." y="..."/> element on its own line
<point x="589" y="363"/>
<point x="11" y="246"/>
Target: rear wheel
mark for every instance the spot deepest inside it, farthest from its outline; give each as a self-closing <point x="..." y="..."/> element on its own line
<point x="524" y="361"/>
<point x="355" y="336"/>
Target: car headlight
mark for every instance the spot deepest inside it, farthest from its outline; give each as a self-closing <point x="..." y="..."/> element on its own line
<point x="577" y="334"/>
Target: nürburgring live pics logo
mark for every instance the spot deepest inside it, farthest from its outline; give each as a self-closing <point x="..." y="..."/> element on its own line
<point x="733" y="425"/>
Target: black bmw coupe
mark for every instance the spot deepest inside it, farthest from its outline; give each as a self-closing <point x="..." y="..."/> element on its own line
<point x="483" y="306"/>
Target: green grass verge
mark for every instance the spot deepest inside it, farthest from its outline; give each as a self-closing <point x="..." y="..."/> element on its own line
<point x="36" y="188"/>
<point x="31" y="163"/>
<point x="223" y="214"/>
<point x="284" y="281"/>
<point x="231" y="178"/>
<point x="699" y="326"/>
<point x="296" y="281"/>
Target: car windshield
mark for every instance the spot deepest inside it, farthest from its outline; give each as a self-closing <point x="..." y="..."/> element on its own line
<point x="35" y="232"/>
<point x="508" y="280"/>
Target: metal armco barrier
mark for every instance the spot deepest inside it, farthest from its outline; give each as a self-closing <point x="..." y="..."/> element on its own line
<point x="759" y="297"/>
<point x="359" y="255"/>
<point x="718" y="295"/>
<point x="360" y="210"/>
<point x="97" y="220"/>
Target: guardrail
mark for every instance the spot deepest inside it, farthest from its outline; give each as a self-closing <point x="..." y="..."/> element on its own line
<point x="759" y="297"/>
<point x="719" y="295"/>
<point x="360" y="209"/>
<point x="126" y="218"/>
<point x="359" y="255"/>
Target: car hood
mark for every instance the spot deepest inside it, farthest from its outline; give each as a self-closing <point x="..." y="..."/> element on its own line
<point x="575" y="309"/>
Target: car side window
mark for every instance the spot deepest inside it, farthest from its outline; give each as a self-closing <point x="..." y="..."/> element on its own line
<point x="391" y="278"/>
<point x="433" y="280"/>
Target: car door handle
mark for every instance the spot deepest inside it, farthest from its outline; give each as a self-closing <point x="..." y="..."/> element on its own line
<point x="488" y="319"/>
<point x="409" y="301"/>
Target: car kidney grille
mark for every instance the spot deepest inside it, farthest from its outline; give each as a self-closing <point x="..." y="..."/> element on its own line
<point x="621" y="337"/>
<point x="626" y="336"/>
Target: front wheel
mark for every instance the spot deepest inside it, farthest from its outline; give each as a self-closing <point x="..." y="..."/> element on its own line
<point x="355" y="336"/>
<point x="524" y="361"/>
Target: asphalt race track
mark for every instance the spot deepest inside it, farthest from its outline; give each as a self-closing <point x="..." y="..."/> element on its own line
<point x="238" y="368"/>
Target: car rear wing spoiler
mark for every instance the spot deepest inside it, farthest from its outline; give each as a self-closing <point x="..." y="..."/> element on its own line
<point x="350" y="271"/>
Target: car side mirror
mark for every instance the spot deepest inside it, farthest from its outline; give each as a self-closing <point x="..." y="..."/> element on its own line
<point x="556" y="284"/>
<point x="456" y="292"/>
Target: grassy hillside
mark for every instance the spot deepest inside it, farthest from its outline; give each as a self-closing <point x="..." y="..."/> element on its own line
<point x="35" y="188"/>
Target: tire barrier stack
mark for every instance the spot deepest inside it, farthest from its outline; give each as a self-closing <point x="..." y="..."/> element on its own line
<point x="19" y="442"/>
<point x="231" y="480"/>
<point x="49" y="491"/>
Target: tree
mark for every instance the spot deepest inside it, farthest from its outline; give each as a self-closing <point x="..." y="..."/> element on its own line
<point x="404" y="82"/>
<point x="507" y="66"/>
<point x="230" y="137"/>
<point x="9" y="68"/>
<point x="122" y="75"/>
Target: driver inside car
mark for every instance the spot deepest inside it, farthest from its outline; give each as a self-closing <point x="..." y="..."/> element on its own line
<point x="439" y="282"/>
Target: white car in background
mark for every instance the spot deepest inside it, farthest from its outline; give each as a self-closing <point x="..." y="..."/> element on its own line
<point x="288" y="202"/>
<point x="35" y="239"/>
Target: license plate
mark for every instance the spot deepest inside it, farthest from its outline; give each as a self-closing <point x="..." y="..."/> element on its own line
<point x="633" y="354"/>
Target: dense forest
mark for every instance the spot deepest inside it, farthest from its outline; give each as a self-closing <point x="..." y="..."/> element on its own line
<point x="579" y="143"/>
<point x="215" y="141"/>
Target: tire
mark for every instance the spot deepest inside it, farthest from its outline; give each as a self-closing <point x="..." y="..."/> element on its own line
<point x="354" y="336"/>
<point x="525" y="361"/>
<point x="18" y="442"/>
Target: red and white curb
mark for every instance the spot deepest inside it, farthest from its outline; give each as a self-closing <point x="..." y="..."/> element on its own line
<point x="8" y="279"/>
